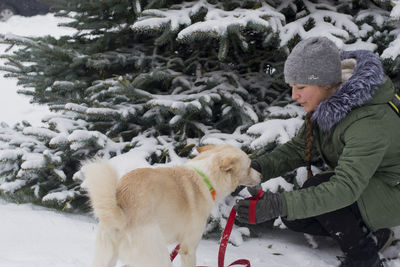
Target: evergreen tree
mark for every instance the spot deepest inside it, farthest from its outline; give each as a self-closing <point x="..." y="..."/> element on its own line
<point x="174" y="74"/>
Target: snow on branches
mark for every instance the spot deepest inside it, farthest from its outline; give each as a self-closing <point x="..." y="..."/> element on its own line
<point x="217" y="23"/>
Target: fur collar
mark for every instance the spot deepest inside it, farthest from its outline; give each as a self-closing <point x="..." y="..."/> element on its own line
<point x="368" y="74"/>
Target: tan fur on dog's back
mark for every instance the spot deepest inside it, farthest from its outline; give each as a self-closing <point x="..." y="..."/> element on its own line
<point x="166" y="193"/>
<point x="102" y="182"/>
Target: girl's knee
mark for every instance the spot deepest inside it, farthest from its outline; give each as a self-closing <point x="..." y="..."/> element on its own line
<point x="295" y="225"/>
<point x="307" y="226"/>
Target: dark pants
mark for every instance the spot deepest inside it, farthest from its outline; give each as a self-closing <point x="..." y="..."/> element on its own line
<point x="343" y="225"/>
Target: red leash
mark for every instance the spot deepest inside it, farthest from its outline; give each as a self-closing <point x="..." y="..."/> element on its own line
<point x="224" y="243"/>
<point x="227" y="232"/>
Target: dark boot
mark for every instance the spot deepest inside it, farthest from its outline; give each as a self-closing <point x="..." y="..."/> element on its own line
<point x="373" y="261"/>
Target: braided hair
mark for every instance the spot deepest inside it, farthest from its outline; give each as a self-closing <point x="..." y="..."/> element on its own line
<point x="309" y="142"/>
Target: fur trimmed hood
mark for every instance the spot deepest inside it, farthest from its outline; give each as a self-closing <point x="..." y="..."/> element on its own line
<point x="367" y="75"/>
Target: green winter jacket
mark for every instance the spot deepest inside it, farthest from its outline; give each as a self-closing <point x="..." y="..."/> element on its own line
<point x="357" y="134"/>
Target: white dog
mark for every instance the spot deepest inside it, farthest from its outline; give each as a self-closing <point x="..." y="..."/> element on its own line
<point x="150" y="208"/>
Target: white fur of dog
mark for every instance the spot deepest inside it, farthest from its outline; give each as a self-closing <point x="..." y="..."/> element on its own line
<point x="150" y="208"/>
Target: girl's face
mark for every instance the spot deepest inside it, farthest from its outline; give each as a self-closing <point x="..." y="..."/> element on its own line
<point x="309" y="96"/>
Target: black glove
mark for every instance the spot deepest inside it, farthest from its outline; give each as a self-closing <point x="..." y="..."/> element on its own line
<point x="267" y="208"/>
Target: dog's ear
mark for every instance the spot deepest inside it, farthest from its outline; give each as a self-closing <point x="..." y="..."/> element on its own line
<point x="204" y="148"/>
<point x="228" y="162"/>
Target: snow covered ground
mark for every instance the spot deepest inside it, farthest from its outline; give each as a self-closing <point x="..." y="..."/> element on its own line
<point x="32" y="236"/>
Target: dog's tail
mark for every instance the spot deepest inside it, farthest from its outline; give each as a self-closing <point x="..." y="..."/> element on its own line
<point x="101" y="182"/>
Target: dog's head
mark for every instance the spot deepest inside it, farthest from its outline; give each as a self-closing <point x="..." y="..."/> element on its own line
<point x="233" y="162"/>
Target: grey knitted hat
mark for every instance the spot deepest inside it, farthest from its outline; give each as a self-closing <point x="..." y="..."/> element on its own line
<point x="314" y="61"/>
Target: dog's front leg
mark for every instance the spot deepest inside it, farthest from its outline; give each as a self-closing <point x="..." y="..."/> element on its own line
<point x="188" y="256"/>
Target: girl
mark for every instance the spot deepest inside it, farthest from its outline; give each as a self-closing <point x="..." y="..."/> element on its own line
<point x="351" y="126"/>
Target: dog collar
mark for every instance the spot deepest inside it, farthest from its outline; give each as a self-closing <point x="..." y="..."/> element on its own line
<point x="208" y="183"/>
